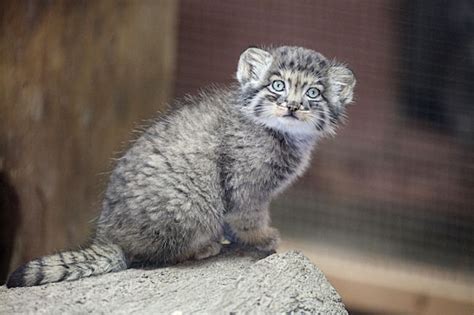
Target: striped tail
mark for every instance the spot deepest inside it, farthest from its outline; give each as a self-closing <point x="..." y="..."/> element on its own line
<point x="67" y="266"/>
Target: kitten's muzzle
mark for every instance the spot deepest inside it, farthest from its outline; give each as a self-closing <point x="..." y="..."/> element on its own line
<point x="292" y="107"/>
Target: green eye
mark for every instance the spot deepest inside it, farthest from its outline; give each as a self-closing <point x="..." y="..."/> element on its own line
<point x="278" y="85"/>
<point x="312" y="93"/>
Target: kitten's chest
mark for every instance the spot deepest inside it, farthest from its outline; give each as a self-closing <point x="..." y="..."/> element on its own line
<point x="280" y="163"/>
<point x="262" y="167"/>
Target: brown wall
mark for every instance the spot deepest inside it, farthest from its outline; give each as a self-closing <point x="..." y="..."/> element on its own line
<point x="76" y="78"/>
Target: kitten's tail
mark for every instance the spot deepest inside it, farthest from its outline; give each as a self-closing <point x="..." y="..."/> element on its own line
<point x="94" y="260"/>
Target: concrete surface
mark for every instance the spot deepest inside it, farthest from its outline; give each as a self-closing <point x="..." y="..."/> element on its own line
<point x="237" y="281"/>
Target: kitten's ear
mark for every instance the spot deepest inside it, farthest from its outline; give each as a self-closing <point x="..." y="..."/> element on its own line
<point x="341" y="84"/>
<point x="253" y="64"/>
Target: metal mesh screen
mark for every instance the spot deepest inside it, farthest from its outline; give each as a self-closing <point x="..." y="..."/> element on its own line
<point x="399" y="177"/>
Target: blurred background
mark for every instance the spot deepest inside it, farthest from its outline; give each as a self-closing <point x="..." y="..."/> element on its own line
<point x="386" y="209"/>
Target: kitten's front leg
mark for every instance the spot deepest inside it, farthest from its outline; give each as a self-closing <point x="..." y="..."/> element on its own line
<point x="252" y="228"/>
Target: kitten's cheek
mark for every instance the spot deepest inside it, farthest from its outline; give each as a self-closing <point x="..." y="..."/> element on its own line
<point x="302" y="117"/>
<point x="279" y="111"/>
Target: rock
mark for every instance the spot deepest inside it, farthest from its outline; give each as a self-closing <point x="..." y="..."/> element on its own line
<point x="237" y="281"/>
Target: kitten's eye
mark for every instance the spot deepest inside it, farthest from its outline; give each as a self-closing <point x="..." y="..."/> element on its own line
<point x="278" y="85"/>
<point x="312" y="93"/>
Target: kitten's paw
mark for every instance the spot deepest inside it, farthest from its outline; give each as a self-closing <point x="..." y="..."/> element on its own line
<point x="212" y="249"/>
<point x="265" y="239"/>
<point x="269" y="240"/>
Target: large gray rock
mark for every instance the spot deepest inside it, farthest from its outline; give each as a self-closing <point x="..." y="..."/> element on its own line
<point x="236" y="281"/>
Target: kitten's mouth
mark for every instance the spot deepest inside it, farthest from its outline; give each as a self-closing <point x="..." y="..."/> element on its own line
<point x="290" y="115"/>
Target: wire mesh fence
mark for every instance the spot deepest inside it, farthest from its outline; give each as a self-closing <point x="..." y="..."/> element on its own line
<point x="398" y="179"/>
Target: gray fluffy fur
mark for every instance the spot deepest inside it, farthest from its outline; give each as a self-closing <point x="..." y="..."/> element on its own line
<point x="214" y="160"/>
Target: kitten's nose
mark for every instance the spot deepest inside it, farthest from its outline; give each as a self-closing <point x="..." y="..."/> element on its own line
<point x="293" y="106"/>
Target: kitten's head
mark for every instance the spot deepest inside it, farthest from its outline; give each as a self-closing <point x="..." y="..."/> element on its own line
<point x="293" y="89"/>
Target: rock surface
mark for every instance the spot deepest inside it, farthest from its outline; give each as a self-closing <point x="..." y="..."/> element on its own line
<point x="238" y="281"/>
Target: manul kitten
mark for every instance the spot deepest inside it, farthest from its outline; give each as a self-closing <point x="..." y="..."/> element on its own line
<point x="215" y="160"/>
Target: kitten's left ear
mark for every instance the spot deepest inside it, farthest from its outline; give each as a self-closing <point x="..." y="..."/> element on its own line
<point x="253" y="64"/>
<point x="341" y="85"/>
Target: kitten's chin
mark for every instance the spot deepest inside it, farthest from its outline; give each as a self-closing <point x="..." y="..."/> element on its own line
<point x="290" y="125"/>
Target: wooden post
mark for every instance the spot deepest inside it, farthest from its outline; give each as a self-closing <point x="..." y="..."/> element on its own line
<point x="76" y="79"/>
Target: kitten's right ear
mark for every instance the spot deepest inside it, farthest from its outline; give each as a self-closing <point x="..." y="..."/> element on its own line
<point x="253" y="64"/>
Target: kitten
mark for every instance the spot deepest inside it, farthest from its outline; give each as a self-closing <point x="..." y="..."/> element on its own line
<point x="213" y="160"/>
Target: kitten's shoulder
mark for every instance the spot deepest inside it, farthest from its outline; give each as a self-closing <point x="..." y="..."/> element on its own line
<point x="213" y="97"/>
<point x="195" y="113"/>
